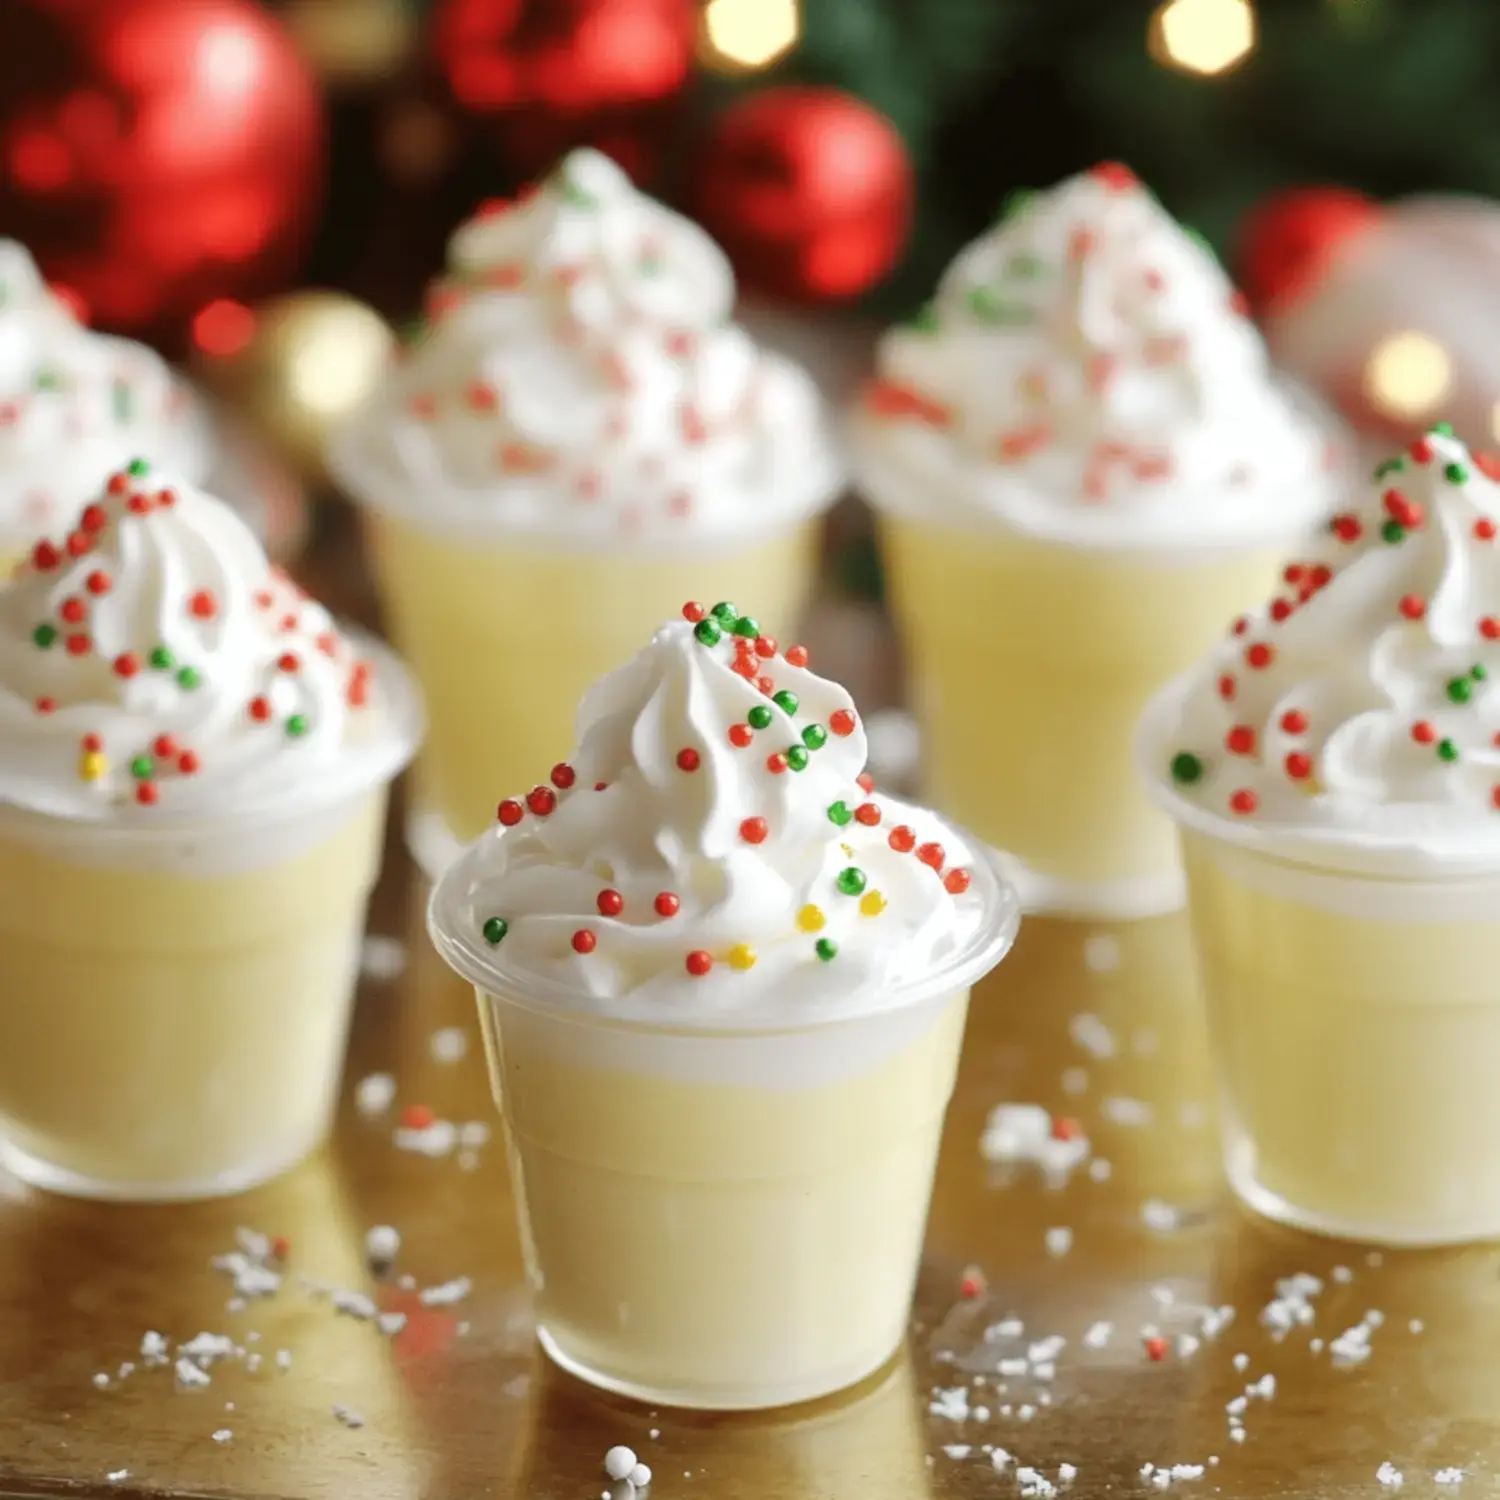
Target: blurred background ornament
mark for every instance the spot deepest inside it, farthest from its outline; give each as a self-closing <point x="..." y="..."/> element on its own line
<point x="809" y="190"/>
<point x="542" y="76"/>
<point x="1391" y="311"/>
<point x="353" y="43"/>
<point x="294" y="367"/>
<point x="156" y="154"/>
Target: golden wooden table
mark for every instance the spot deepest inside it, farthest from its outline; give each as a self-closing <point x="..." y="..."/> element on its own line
<point x="459" y="1404"/>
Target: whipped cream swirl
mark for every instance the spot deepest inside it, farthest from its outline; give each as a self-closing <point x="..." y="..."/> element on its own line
<point x="581" y="378"/>
<point x="1361" y="707"/>
<point x="713" y="847"/>
<point x="1086" y="373"/>
<point x="75" y="405"/>
<point x="154" y="664"/>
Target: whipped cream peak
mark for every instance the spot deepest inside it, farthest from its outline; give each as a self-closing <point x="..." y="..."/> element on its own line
<point x="153" y="663"/>
<point x="1361" y="706"/>
<point x="1087" y="371"/>
<point x="74" y="405"/>
<point x="714" y="842"/>
<point x="580" y="377"/>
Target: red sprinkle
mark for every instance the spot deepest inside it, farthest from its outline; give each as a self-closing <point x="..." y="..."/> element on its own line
<point x="1294" y="721"/>
<point x="127" y="664"/>
<point x="146" y="793"/>
<point x="692" y="611"/>
<point x="610" y="903"/>
<point x="1156" y="1349"/>
<point x="796" y="656"/>
<point x="1066" y="1129"/>
<point x="73" y="611"/>
<point x="765" y="645"/>
<point x="1489" y="627"/>
<point x="417" y="1117"/>
<point x="1413" y="606"/>
<point x="260" y="710"/>
<point x="740" y="735"/>
<point x="98" y="582"/>
<point x="1226" y="687"/>
<point x="1299" y="766"/>
<point x="931" y="854"/>
<point x="699" y="963"/>
<point x="92" y="744"/>
<point x="867" y="813"/>
<point x="1240" y="740"/>
<point x="842" y="722"/>
<point x="164" y="747"/>
<point x="1281" y="609"/>
<point x="46" y="705"/>
<point x="776" y="763"/>
<point x="1260" y="656"/>
<point x="1244" y="802"/>
<point x="187" y="762"/>
<point x="203" y="605"/>
<point x="510" y="812"/>
<point x="956" y="882"/>
<point x="584" y="941"/>
<point x="754" y="830"/>
<point x="78" y="645"/>
<point x="542" y="800"/>
<point x="688" y="760"/>
<point x="1347" y="528"/>
<point x="281" y="1247"/>
<point x="667" y="904"/>
<point x="1423" y="732"/>
<point x="44" y="557"/>
<point x="865" y="782"/>
<point x="1484" y="529"/>
<point x="79" y="543"/>
<point x="1495" y="796"/>
<point x="1421" y="450"/>
<point x="563" y="775"/>
<point x="93" y="518"/>
<point x="902" y="839"/>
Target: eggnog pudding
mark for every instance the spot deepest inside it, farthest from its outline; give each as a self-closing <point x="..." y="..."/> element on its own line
<point x="193" y="766"/>
<point x="723" y="986"/>
<point x="1333" y="767"/>
<point x="1083" y="464"/>
<point x="75" y="405"/>
<point x="583" y="433"/>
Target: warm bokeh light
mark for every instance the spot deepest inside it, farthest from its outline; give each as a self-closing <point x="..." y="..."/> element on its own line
<point x="223" y="328"/>
<point x="1203" y="36"/>
<point x="337" y="360"/>
<point x="1408" y="375"/>
<point x="745" y="35"/>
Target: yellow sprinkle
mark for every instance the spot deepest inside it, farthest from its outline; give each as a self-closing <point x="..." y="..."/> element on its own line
<point x="811" y="918"/>
<point x="742" y="956"/>
<point x="92" y="766"/>
<point x="848" y="850"/>
<point x="871" y="904"/>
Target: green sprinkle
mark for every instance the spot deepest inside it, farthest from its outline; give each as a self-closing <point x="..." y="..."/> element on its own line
<point x="45" y="635"/>
<point x="826" y="949"/>
<point x="48" y="380"/>
<point x="138" y="468"/>
<point x="840" y="813"/>
<point x="925" y="319"/>
<point x="162" y="659"/>
<point x="188" y="678"/>
<point x="785" y="701"/>
<point x="495" y="930"/>
<point x="759" y="717"/>
<point x="297" y="726"/>
<point x="1393" y="531"/>
<point x="796" y="758"/>
<point x="814" y="736"/>
<point x="1015" y="201"/>
<point x="1390" y="466"/>
<point x="1479" y="671"/>
<point x="851" y="881"/>
<point x="1201" y="240"/>
<point x="1024" y="266"/>
<point x="1455" y="473"/>
<point x="988" y="306"/>
<point x="746" y="627"/>
<point x="707" y="631"/>
<point x="1460" y="689"/>
<point x="1442" y="429"/>
<point x="725" y="613"/>
<point x="141" y="768"/>
<point x="1447" y="750"/>
<point x="1186" y="768"/>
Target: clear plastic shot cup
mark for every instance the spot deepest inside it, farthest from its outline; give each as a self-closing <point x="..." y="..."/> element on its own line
<point x="719" y="1214"/>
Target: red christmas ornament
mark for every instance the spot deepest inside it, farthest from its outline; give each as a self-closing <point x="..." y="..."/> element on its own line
<point x="1286" y="241"/>
<point x="155" y="155"/>
<point x="808" y="190"/>
<point x="548" y="75"/>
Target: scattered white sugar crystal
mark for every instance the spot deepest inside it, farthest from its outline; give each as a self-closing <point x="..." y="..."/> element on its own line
<point x="654" y="1433"/>
<point x="1045" y="1351"/>
<point x="1011" y="1369"/>
<point x="1188" y="1345"/>
<point x="1067" y="1473"/>
<point x="436" y="1139"/>
<point x="382" y="1245"/>
<point x="1237" y="1405"/>
<point x="354" y="1305"/>
<point x="999" y="1459"/>
<point x="1241" y="1362"/>
<point x="153" y="1349"/>
<point x="1059" y="1240"/>
<point x="1236" y="1434"/>
<point x="1075" y="1080"/>
<point x="118" y="1476"/>
<point x="348" y="1416"/>
<point x="252" y="1278"/>
<point x="1015" y="1132"/>
<point x="1100" y="1169"/>
<point x="951" y="1403"/>
<point x="375" y="1093"/>
<point x="449" y="1044"/>
<point x="391" y="1323"/>
<point x="1032" y="1484"/>
<point x="1448" y="1476"/>
<point x="1125" y="1111"/>
<point x="619" y="1461"/>
<point x="190" y="1376"/>
<point x="640" y="1476"/>
<point x="223" y="1435"/>
<point x="1006" y="1328"/>
<point x="981" y="1414"/>
<point x="1101" y="952"/>
<point x="205" y="1348"/>
<point x="1187" y="1471"/>
<point x="1265" y="1387"/>
<point x="1091" y="1035"/>
<point x="957" y="1450"/>
<point x="473" y="1134"/>
<point x="1025" y="1413"/>
<point x="1352" y="1346"/>
<point x="1390" y="1476"/>
<point x="101" y="1380"/>
<point x="447" y="1293"/>
<point x="1214" y="1321"/>
<point x="1315" y="1346"/>
<point x="382" y="958"/>
<point x="126" y="1370"/>
<point x="1416" y="1325"/>
<point x="283" y="1359"/>
<point x="1159" y="1217"/>
<point x="1097" y="1336"/>
<point x="252" y="1362"/>
<point x="1342" y="1274"/>
<point x="253" y="1243"/>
